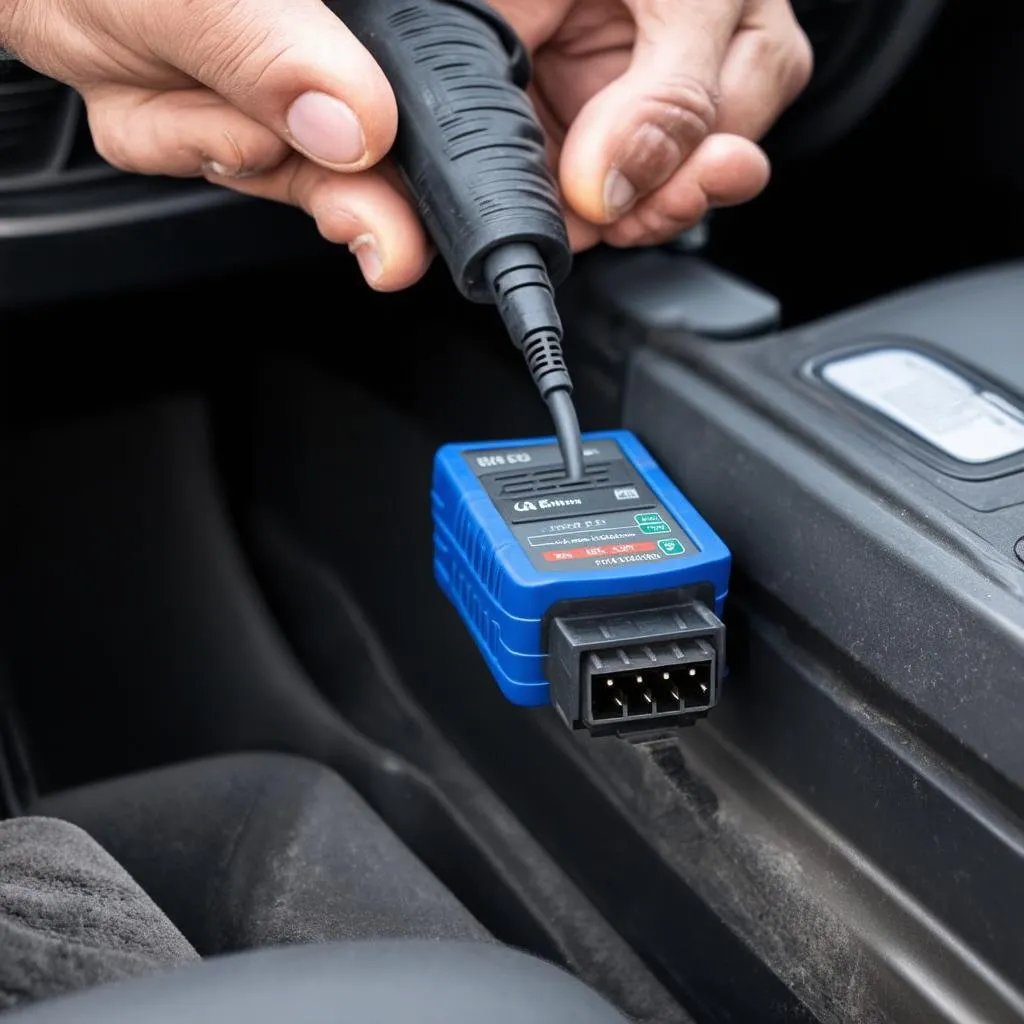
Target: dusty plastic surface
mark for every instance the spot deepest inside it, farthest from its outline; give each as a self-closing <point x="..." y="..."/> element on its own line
<point x="889" y="707"/>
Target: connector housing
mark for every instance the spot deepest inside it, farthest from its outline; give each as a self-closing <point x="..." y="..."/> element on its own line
<point x="656" y="663"/>
<point x="517" y="545"/>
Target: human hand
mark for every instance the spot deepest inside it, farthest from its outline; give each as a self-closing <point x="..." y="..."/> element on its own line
<point x="649" y="106"/>
<point x="652" y="108"/>
<point x="271" y="97"/>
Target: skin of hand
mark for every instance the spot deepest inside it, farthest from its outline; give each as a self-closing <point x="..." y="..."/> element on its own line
<point x="652" y="108"/>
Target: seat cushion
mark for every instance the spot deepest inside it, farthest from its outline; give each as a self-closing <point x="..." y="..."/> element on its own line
<point x="355" y="983"/>
<point x="71" y="916"/>
<point x="251" y="850"/>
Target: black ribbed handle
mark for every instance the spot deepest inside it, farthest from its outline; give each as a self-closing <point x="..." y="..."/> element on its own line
<point x="468" y="145"/>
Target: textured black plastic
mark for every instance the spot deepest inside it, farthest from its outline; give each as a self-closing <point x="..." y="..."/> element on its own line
<point x="877" y="627"/>
<point x="664" y="290"/>
<point x="522" y="290"/>
<point x="845" y="526"/>
<point x="468" y="144"/>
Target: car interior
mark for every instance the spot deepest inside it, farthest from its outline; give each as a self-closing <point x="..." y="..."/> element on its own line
<point x="225" y="658"/>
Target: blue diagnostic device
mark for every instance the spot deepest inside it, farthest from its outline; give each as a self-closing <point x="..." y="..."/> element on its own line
<point x="601" y="595"/>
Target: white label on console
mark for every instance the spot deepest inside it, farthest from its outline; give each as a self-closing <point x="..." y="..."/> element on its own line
<point x="933" y="402"/>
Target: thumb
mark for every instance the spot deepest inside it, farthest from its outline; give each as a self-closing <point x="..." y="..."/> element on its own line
<point x="290" y="64"/>
<point x="632" y="136"/>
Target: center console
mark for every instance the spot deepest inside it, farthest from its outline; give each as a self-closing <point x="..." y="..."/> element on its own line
<point x="867" y="471"/>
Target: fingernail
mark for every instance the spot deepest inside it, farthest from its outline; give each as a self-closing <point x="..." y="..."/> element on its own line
<point x="326" y="129"/>
<point x="365" y="250"/>
<point x="214" y="169"/>
<point x="220" y="170"/>
<point x="619" y="194"/>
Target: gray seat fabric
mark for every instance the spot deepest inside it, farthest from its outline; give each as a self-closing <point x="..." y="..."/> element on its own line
<point x="252" y="850"/>
<point x="243" y="851"/>
<point x="71" y="916"/>
<point x="355" y="983"/>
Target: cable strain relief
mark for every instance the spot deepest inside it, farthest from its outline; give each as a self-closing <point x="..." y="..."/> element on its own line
<point x="522" y="290"/>
<point x="546" y="363"/>
<point x="525" y="298"/>
<point x="523" y="293"/>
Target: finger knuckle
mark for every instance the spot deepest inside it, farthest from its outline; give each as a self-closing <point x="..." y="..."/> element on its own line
<point x="686" y="107"/>
<point x="674" y="119"/>
<point x="788" y="59"/>
<point x="110" y="143"/>
<point x="799" y="62"/>
<point x="235" y="47"/>
<point x="244" y="154"/>
<point x="787" y="51"/>
<point x="256" y="61"/>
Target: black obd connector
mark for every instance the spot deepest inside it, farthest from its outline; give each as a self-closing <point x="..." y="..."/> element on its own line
<point x="631" y="670"/>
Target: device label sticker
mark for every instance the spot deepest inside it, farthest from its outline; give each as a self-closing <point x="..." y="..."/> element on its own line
<point x="598" y="551"/>
<point x="604" y="542"/>
<point x="610" y="519"/>
<point x="567" y="503"/>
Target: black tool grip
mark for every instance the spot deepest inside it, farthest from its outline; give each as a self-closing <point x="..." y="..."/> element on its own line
<point x="468" y="144"/>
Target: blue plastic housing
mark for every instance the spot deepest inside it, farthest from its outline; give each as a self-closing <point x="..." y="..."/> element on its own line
<point x="503" y="598"/>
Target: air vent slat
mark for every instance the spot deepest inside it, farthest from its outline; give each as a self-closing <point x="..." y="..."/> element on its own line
<point x="27" y="91"/>
<point x="35" y="115"/>
<point x="551" y="480"/>
<point x="13" y="122"/>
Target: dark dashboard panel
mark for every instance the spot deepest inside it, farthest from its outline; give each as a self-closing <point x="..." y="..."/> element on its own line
<point x="861" y="47"/>
<point x="44" y="138"/>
